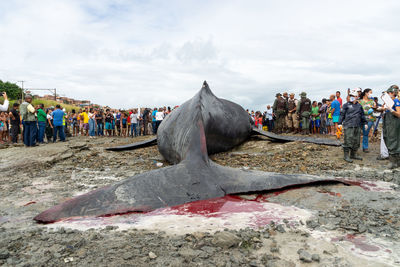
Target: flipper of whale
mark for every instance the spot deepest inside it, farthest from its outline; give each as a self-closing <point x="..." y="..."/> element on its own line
<point x="203" y="125"/>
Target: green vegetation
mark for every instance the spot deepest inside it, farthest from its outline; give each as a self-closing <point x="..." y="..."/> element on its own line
<point x="13" y="91"/>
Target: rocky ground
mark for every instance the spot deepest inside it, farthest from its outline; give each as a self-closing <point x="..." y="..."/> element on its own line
<point x="324" y="225"/>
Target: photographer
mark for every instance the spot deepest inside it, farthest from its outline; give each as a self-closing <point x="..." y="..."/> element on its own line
<point x="4" y="107"/>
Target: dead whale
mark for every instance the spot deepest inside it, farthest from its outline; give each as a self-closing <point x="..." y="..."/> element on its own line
<point x="201" y="126"/>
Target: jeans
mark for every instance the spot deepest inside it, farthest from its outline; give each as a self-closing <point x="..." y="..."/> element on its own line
<point x="42" y="128"/>
<point x="14" y="131"/>
<point x="365" y="134"/>
<point x="134" y="129"/>
<point x="30" y="133"/>
<point x="154" y="124"/>
<point x="270" y="125"/>
<point x="59" y="129"/>
<point x="100" y="129"/>
<point x="92" y="125"/>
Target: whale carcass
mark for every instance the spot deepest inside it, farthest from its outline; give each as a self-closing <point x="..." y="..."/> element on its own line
<point x="201" y="126"/>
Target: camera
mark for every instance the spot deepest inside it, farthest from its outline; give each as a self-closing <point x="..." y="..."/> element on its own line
<point x="1" y="93"/>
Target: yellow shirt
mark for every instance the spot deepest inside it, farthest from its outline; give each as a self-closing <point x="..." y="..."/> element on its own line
<point x="85" y="117"/>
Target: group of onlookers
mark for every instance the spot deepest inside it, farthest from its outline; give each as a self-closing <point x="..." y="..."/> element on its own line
<point x="37" y="124"/>
<point x="332" y="116"/>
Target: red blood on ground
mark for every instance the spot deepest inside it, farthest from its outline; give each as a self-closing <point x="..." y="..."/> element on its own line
<point x="29" y="203"/>
<point x="358" y="241"/>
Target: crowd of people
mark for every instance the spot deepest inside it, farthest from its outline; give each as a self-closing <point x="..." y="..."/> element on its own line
<point x="38" y="125"/>
<point x="360" y="115"/>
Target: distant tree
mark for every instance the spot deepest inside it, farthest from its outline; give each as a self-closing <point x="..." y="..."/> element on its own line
<point x="13" y="91"/>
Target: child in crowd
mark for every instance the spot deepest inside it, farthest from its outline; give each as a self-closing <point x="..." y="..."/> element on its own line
<point x="329" y="121"/>
<point x="315" y="118"/>
<point x="3" y="127"/>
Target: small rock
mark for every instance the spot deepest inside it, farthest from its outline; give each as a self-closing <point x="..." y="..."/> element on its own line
<point x="315" y="257"/>
<point x="4" y="254"/>
<point x="225" y="240"/>
<point x="152" y="255"/>
<point x="304" y="255"/>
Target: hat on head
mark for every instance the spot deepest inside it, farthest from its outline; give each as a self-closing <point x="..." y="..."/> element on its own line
<point x="28" y="96"/>
<point x="291" y="93"/>
<point x="303" y="94"/>
<point x="354" y="92"/>
<point x="278" y="94"/>
<point x="393" y="89"/>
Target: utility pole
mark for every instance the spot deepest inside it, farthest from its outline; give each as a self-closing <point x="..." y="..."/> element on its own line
<point x="22" y="89"/>
<point x="55" y="94"/>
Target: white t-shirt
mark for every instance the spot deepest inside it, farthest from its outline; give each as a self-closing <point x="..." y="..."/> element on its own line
<point x="134" y="118"/>
<point x="159" y="116"/>
<point x="269" y="114"/>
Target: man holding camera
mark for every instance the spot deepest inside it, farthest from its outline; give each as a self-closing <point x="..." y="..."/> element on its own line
<point x="4" y="107"/>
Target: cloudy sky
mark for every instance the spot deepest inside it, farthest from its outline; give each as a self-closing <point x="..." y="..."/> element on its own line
<point x="151" y="53"/>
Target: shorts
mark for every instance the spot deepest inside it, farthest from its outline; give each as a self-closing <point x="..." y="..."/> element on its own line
<point x="335" y="119"/>
<point x="329" y="122"/>
<point x="86" y="126"/>
<point x="109" y="126"/>
<point x="81" y="125"/>
<point x="124" y="126"/>
<point x="316" y="123"/>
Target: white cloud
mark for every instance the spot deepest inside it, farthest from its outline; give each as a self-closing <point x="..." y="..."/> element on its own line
<point x="156" y="53"/>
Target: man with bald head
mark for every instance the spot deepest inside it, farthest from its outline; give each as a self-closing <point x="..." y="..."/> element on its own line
<point x="28" y="121"/>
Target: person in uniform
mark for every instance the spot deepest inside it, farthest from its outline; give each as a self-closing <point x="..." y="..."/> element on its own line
<point x="292" y="119"/>
<point x="352" y="118"/>
<point x="391" y="128"/>
<point x="285" y="96"/>
<point x="280" y="110"/>
<point x="304" y="111"/>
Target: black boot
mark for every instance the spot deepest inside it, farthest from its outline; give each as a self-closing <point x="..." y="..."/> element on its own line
<point x="346" y="155"/>
<point x="394" y="162"/>
<point x="353" y="155"/>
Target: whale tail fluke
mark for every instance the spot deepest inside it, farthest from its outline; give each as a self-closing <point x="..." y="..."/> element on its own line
<point x="288" y="138"/>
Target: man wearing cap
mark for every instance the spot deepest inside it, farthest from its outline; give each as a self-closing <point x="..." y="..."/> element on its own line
<point x="280" y="109"/>
<point x="28" y="121"/>
<point x="391" y="128"/>
<point x="352" y="118"/>
<point x="291" y="119"/>
<point x="304" y="111"/>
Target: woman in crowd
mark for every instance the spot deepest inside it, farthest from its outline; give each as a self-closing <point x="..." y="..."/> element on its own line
<point x="368" y="104"/>
<point x="124" y="124"/>
<point x="49" y="126"/>
<point x="92" y="123"/>
<point x="74" y="123"/>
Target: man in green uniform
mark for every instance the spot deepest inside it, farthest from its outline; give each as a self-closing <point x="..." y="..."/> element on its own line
<point x="391" y="128"/>
<point x="280" y="109"/>
<point x="291" y="119"/>
<point x="304" y="111"/>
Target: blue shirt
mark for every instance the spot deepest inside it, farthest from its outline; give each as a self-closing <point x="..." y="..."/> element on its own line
<point x="396" y="103"/>
<point x="336" y="105"/>
<point x="153" y="115"/>
<point x="58" y="116"/>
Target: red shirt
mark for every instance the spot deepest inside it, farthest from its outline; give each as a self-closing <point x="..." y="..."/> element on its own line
<point x="340" y="101"/>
